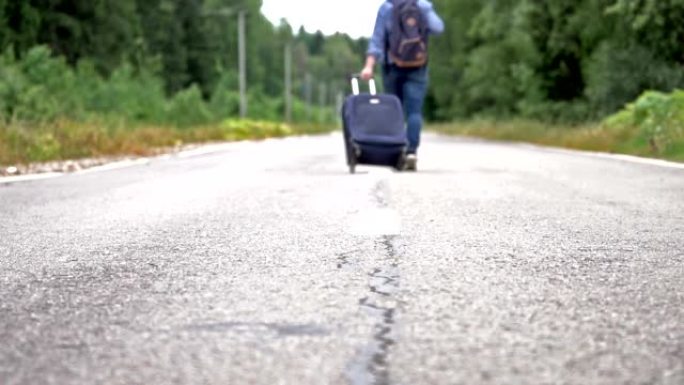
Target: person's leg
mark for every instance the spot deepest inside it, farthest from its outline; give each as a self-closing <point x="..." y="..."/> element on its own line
<point x="391" y="81"/>
<point x="414" y="91"/>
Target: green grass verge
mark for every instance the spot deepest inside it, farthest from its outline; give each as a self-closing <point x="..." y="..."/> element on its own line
<point x="26" y="143"/>
<point x="578" y="137"/>
<point x="589" y="137"/>
<point x="651" y="126"/>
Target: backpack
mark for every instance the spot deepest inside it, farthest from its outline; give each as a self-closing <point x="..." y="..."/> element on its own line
<point x="408" y="35"/>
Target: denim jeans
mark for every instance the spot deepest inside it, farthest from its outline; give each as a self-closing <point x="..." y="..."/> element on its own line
<point x="410" y="85"/>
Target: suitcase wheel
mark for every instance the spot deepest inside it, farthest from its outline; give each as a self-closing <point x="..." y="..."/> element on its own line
<point x="401" y="162"/>
<point x="354" y="155"/>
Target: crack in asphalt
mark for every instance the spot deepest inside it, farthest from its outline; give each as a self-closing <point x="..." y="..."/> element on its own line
<point x="371" y="366"/>
<point x="344" y="259"/>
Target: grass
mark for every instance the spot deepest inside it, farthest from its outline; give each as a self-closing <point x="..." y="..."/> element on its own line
<point x="50" y="110"/>
<point x="22" y="143"/>
<point x="651" y="126"/>
<point x="64" y="139"/>
<point x="622" y="139"/>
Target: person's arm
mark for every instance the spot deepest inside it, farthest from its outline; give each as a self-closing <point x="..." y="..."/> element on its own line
<point x="376" y="46"/>
<point x="435" y="23"/>
<point x="368" y="70"/>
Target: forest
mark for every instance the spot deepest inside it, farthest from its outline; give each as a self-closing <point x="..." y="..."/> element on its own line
<point x="569" y="60"/>
<point x="141" y="52"/>
<point x="109" y="66"/>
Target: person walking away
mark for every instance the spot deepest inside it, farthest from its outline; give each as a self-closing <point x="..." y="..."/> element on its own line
<point x="400" y="44"/>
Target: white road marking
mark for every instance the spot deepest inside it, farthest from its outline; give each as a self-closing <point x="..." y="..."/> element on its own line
<point x="204" y="150"/>
<point x="633" y="159"/>
<point x="594" y="154"/>
<point x="606" y="155"/>
<point x="30" y="177"/>
<point x="115" y="166"/>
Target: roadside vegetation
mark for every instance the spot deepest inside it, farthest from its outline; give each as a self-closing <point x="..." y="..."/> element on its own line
<point x="599" y="75"/>
<point x="54" y="111"/>
<point x="116" y="77"/>
<point x="112" y="77"/>
<point x="24" y="143"/>
<point x="653" y="126"/>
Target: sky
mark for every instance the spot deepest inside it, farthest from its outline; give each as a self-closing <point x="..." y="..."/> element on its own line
<point x="354" y="17"/>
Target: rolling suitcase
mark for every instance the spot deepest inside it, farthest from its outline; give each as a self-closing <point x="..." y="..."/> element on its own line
<point x="374" y="128"/>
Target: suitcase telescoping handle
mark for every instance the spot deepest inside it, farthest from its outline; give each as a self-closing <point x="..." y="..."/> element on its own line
<point x="355" y="85"/>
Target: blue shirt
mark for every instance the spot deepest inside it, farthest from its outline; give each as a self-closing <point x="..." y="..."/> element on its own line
<point x="378" y="41"/>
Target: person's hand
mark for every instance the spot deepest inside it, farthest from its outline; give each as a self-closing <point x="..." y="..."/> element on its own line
<point x="367" y="73"/>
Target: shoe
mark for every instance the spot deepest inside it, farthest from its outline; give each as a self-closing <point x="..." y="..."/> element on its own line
<point x="411" y="163"/>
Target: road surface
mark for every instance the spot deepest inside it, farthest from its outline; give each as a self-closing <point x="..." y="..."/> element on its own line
<point x="267" y="263"/>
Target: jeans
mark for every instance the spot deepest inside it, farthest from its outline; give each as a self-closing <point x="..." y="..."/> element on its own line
<point x="410" y="86"/>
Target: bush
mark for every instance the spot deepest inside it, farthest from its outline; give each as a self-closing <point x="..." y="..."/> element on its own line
<point x="658" y="119"/>
<point x="42" y="88"/>
<point x="225" y="101"/>
<point x="128" y="95"/>
<point x="37" y="87"/>
<point x="49" y="110"/>
<point x="187" y="108"/>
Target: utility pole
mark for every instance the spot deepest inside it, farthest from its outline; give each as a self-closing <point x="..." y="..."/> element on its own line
<point x="322" y="99"/>
<point x="308" y="95"/>
<point x="288" y="82"/>
<point x="242" y="49"/>
<point x="242" y="59"/>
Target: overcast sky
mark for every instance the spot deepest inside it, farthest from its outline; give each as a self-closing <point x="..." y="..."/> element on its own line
<point x="354" y="17"/>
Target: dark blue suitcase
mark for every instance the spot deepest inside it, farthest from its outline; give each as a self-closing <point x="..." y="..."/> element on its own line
<point x="374" y="129"/>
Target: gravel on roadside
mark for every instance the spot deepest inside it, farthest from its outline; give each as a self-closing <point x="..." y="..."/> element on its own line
<point x="74" y="165"/>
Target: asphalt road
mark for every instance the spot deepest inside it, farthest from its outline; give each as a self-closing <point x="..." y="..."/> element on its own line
<point x="267" y="263"/>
